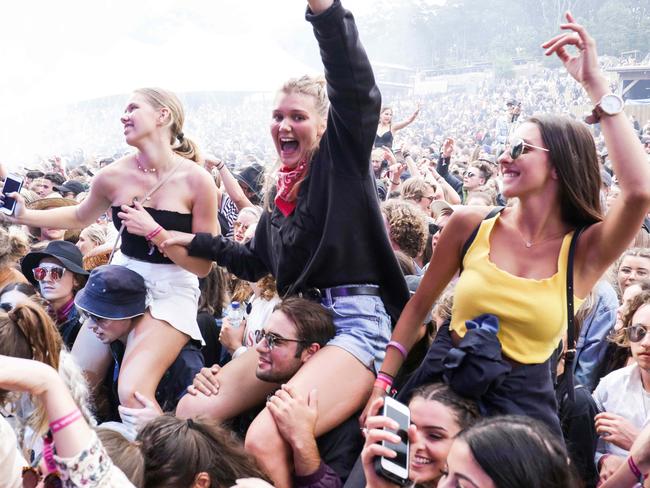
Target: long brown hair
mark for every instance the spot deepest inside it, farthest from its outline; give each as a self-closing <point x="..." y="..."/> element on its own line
<point x="176" y="450"/>
<point x="573" y="154"/>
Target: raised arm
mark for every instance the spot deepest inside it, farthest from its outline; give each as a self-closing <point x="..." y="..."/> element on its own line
<point x="231" y="186"/>
<point x="354" y="97"/>
<point x="400" y="125"/>
<point x="603" y="242"/>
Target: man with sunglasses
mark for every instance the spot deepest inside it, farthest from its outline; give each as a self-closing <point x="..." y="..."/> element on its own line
<point x="57" y="272"/>
<point x="296" y="330"/>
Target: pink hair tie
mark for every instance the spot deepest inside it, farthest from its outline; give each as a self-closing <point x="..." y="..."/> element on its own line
<point x="399" y="347"/>
<point x="63" y="422"/>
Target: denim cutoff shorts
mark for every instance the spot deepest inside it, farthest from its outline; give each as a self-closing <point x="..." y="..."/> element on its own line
<point x="363" y="327"/>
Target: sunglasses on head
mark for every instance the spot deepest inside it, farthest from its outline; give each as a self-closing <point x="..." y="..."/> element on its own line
<point x="516" y="148"/>
<point x="272" y="339"/>
<point x="636" y="333"/>
<point x="55" y="272"/>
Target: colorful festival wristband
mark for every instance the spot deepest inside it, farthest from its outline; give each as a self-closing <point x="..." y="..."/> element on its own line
<point x="63" y="422"/>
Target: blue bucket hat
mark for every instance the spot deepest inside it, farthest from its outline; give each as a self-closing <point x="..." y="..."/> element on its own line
<point x="113" y="292"/>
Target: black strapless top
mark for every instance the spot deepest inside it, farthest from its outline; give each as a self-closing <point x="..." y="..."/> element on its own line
<point x="386" y="139"/>
<point x="137" y="246"/>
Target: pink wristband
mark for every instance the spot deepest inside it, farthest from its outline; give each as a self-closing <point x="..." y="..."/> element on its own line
<point x="63" y="422"/>
<point x="399" y="347"/>
<point x="153" y="233"/>
<point x="635" y="470"/>
<point x="385" y="378"/>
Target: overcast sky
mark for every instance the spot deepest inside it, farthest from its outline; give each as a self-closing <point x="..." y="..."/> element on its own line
<point x="57" y="52"/>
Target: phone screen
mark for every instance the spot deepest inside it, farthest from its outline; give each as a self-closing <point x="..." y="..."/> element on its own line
<point x="402" y="448"/>
<point x="11" y="186"/>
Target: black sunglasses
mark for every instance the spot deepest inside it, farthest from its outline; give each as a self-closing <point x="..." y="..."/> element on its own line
<point x="516" y="148"/>
<point x="272" y="339"/>
<point x="6" y="306"/>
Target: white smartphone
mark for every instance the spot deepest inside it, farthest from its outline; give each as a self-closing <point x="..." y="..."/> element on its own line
<point x="396" y="469"/>
<point x="13" y="183"/>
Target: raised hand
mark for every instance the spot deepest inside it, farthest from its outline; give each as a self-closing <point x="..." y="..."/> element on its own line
<point x="583" y="66"/>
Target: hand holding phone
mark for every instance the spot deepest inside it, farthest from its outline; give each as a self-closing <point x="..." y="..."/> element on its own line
<point x="385" y="455"/>
<point x="13" y="184"/>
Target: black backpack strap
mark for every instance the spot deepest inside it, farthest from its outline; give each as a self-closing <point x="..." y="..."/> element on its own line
<point x="495" y="211"/>
<point x="569" y="355"/>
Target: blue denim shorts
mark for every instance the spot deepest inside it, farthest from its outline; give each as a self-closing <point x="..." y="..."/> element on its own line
<point x="363" y="327"/>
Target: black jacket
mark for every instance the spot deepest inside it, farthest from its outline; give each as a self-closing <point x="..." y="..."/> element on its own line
<point x="336" y="235"/>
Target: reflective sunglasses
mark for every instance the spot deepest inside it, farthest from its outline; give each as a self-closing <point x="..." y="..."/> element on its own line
<point x="272" y="339"/>
<point x="469" y="174"/>
<point x="55" y="272"/>
<point x="636" y="333"/>
<point x="516" y="148"/>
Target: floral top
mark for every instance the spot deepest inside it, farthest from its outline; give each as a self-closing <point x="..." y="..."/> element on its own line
<point x="91" y="468"/>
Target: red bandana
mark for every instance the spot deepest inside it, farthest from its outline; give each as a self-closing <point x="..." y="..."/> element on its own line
<point x="287" y="179"/>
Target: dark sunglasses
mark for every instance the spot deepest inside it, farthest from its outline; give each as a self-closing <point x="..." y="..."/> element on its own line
<point x="636" y="333"/>
<point x="89" y="316"/>
<point x="32" y="477"/>
<point x="272" y="339"/>
<point x="516" y="148"/>
<point x="469" y="174"/>
<point x="6" y="306"/>
<point x="55" y="272"/>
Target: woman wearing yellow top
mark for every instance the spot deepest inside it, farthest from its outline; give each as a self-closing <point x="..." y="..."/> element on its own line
<point x="515" y="268"/>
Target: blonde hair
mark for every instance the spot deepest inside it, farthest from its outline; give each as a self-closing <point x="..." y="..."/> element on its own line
<point x="414" y="188"/>
<point x="159" y="98"/>
<point x="315" y="87"/>
<point x="14" y="244"/>
<point x="96" y="233"/>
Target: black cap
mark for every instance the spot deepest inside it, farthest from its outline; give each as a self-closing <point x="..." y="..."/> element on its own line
<point x="66" y="252"/>
<point x="252" y="176"/>
<point x="73" y="186"/>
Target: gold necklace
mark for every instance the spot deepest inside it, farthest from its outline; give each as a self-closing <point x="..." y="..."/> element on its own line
<point x="142" y="168"/>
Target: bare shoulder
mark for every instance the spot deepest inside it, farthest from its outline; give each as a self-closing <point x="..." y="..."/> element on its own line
<point x="466" y="218"/>
<point x="198" y="176"/>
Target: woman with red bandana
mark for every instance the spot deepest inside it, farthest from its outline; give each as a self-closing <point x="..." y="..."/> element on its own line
<point x="321" y="236"/>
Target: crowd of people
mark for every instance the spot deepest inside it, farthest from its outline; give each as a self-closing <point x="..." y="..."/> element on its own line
<point x="177" y="314"/>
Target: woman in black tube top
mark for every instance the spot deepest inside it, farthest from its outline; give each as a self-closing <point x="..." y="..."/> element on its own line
<point x="386" y="128"/>
<point x="186" y="202"/>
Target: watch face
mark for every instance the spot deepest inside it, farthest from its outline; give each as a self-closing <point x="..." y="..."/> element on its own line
<point x="611" y="104"/>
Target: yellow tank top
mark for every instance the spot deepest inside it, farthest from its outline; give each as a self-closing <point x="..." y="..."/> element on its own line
<point x="532" y="313"/>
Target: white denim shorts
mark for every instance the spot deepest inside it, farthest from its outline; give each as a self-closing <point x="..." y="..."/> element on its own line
<point x="172" y="293"/>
